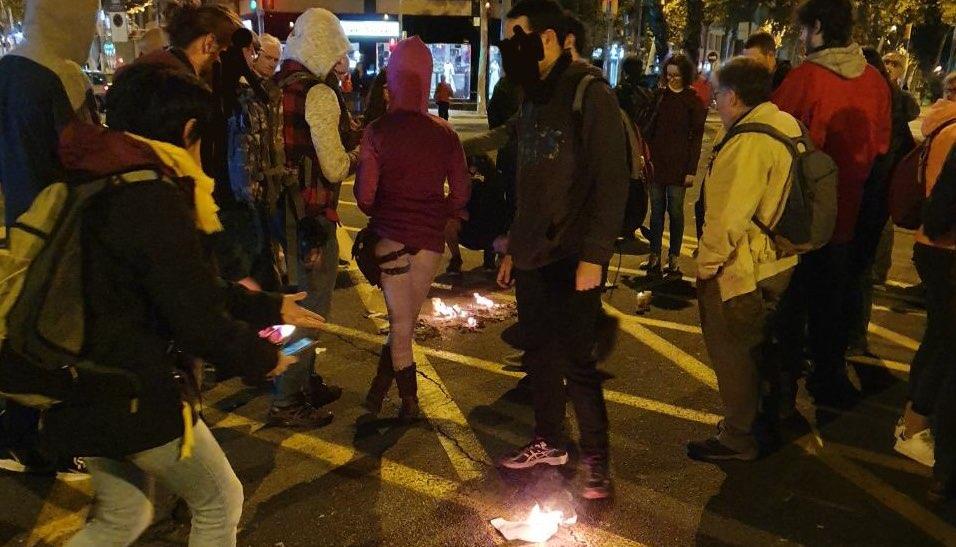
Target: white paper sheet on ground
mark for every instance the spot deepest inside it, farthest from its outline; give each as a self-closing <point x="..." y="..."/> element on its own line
<point x="537" y="527"/>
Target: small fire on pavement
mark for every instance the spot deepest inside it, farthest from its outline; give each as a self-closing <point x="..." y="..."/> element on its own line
<point x="465" y="316"/>
<point x="537" y="527"/>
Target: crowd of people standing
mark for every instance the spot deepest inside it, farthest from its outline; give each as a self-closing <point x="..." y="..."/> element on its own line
<point x="221" y="164"/>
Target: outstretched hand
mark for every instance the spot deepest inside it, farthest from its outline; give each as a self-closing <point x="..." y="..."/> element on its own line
<point x="294" y="314"/>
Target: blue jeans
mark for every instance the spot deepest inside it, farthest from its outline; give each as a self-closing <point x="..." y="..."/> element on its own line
<point x="123" y="506"/>
<point x="671" y="200"/>
<point x="319" y="282"/>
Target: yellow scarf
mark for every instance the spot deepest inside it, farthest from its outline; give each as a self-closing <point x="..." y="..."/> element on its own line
<point x="177" y="159"/>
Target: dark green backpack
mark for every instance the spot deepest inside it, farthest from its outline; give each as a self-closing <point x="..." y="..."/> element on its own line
<point x="42" y="311"/>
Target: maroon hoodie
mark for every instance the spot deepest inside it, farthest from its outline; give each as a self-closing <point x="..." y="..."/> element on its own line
<point x="406" y="157"/>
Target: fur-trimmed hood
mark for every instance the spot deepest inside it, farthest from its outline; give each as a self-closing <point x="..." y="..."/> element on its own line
<point x="317" y="41"/>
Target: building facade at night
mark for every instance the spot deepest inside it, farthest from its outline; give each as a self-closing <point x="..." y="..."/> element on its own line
<point x="451" y="28"/>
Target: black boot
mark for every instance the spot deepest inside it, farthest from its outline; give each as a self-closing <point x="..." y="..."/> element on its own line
<point x="408" y="390"/>
<point x="381" y="383"/>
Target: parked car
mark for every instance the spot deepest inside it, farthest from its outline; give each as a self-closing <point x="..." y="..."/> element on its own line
<point x="101" y="84"/>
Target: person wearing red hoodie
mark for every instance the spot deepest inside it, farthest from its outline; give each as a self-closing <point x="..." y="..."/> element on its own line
<point x="846" y="105"/>
<point x="406" y="157"/>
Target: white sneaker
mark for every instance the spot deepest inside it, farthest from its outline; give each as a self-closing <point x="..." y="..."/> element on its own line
<point x="920" y="447"/>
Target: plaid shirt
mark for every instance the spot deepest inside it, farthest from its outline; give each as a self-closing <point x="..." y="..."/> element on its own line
<point x="296" y="81"/>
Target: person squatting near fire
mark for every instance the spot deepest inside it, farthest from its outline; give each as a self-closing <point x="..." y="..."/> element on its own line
<point x="407" y="155"/>
<point x="571" y="188"/>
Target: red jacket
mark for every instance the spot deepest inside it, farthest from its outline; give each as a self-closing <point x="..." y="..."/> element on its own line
<point x="406" y="157"/>
<point x="846" y="105"/>
<point x="705" y="91"/>
<point x="443" y="93"/>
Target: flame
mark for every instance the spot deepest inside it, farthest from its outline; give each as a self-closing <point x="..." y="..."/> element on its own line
<point x="448" y="312"/>
<point x="484" y="302"/>
<point x="544" y="523"/>
<point x="442" y="309"/>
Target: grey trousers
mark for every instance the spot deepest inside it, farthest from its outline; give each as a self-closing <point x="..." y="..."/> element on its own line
<point x="123" y="489"/>
<point x="736" y="333"/>
<point x="319" y="282"/>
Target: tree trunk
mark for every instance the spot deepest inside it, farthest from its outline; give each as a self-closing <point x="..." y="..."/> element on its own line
<point x="695" y="19"/>
<point x="658" y="25"/>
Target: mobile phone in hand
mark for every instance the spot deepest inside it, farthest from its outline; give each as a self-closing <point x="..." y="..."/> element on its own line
<point x="299" y="347"/>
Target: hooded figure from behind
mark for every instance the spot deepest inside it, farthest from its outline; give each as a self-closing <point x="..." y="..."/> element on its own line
<point x="407" y="156"/>
<point x="318" y="130"/>
<point x="42" y="89"/>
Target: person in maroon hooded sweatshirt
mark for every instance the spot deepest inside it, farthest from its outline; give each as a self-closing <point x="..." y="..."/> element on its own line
<point x="846" y="106"/>
<point x="674" y="136"/>
<point x="406" y="157"/>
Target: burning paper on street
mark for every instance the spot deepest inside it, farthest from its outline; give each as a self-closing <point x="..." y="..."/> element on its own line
<point x="463" y="316"/>
<point x="538" y="526"/>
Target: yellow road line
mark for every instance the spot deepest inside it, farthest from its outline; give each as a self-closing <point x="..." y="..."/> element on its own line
<point x="882" y="492"/>
<point x="671" y="325"/>
<point x="880" y="307"/>
<point x="415" y="480"/>
<point x="878" y="362"/>
<point x="465" y="451"/>
<point x="496" y="368"/>
<point x="682" y="359"/>
<point x="56" y="518"/>
<point x="632" y="325"/>
<point x="896" y="463"/>
<point x="895" y="337"/>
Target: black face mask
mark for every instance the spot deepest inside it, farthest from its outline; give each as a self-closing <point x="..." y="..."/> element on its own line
<point x="520" y="55"/>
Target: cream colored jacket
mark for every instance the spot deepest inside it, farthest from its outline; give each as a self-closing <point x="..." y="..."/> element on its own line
<point x="750" y="176"/>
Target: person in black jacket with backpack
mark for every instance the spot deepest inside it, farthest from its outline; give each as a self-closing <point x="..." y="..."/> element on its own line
<point x="571" y="188"/>
<point x="152" y="305"/>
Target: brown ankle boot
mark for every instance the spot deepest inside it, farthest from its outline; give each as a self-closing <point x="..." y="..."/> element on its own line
<point x="408" y="390"/>
<point x="381" y="383"/>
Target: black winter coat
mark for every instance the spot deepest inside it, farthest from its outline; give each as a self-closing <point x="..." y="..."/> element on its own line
<point x="151" y="299"/>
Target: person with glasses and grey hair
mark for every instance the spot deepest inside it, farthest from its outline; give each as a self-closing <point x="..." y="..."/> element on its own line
<point x="269" y="55"/>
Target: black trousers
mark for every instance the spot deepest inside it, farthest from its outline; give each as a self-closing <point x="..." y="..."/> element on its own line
<point x="933" y="376"/>
<point x="443" y="110"/>
<point x="870" y="225"/>
<point x="812" y="314"/>
<point x="558" y="327"/>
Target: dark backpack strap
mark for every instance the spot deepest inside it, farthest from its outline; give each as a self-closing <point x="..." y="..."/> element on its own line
<point x="765" y="129"/>
<point x="298" y="76"/>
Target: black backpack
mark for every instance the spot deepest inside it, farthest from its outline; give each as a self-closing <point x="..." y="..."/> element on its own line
<point x="42" y="308"/>
<point x="809" y="214"/>
<point x="639" y="163"/>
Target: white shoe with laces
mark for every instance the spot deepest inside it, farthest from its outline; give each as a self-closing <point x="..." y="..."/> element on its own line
<point x="536" y="452"/>
<point x="920" y="447"/>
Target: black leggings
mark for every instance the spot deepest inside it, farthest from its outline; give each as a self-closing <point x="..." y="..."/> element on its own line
<point x="933" y="375"/>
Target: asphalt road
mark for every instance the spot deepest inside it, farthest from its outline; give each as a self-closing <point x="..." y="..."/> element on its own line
<point x="373" y="482"/>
